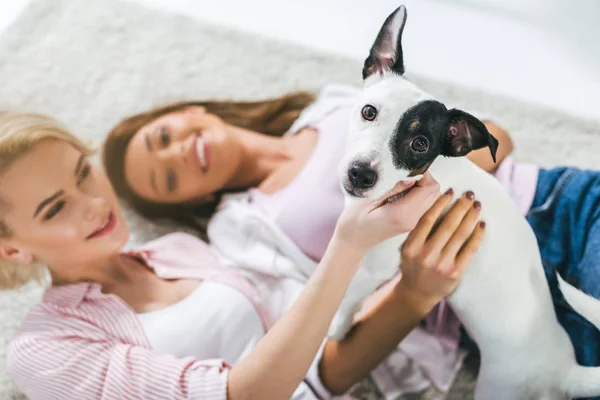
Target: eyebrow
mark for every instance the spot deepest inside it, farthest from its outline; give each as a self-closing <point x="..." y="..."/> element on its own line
<point x="47" y="202"/>
<point x="56" y="195"/>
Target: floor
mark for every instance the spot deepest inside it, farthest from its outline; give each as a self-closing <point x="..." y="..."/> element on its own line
<point x="545" y="52"/>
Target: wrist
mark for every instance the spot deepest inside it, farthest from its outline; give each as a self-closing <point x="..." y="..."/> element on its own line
<point x="342" y="249"/>
<point x="420" y="303"/>
<point x="340" y="241"/>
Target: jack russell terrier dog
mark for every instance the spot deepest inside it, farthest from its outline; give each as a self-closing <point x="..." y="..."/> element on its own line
<point x="397" y="132"/>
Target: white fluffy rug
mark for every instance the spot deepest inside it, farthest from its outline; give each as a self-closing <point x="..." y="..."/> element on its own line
<point x="90" y="63"/>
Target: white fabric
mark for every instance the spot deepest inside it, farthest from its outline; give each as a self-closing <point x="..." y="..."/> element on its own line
<point x="215" y="321"/>
<point x="330" y="98"/>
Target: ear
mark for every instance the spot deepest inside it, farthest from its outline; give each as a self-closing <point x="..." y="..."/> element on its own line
<point x="466" y="133"/>
<point x="386" y="53"/>
<point x="16" y="254"/>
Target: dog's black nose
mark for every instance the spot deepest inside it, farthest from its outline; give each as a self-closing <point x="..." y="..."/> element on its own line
<point x="362" y="176"/>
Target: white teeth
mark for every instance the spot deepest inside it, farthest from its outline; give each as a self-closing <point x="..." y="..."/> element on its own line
<point x="104" y="224"/>
<point x="200" y="152"/>
<point x="102" y="227"/>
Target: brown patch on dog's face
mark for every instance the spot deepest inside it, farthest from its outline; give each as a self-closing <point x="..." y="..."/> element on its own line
<point x="413" y="126"/>
<point x="421" y="170"/>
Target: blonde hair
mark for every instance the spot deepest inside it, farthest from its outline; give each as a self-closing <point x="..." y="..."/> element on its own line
<point x="19" y="133"/>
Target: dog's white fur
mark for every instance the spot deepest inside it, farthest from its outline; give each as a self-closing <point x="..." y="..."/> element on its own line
<point x="503" y="299"/>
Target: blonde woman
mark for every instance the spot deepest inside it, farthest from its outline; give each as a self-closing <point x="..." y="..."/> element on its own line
<point x="95" y="334"/>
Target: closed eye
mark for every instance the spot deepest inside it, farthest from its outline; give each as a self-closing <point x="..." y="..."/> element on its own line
<point x="54" y="210"/>
<point x="171" y="181"/>
<point x="59" y="205"/>
<point x="165" y="136"/>
<point x="85" y="172"/>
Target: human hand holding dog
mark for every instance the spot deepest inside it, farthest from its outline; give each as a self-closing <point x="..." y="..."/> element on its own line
<point x="365" y="223"/>
<point x="433" y="261"/>
<point x="435" y="258"/>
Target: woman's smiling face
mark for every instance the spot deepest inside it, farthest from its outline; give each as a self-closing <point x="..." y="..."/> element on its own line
<point x="59" y="208"/>
<point x="183" y="156"/>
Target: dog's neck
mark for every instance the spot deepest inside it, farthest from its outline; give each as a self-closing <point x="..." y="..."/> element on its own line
<point x="450" y="170"/>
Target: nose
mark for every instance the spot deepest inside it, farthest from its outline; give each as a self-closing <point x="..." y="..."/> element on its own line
<point x="176" y="151"/>
<point x="362" y="176"/>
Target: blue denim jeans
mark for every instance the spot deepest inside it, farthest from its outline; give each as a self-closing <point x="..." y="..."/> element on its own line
<point x="565" y="216"/>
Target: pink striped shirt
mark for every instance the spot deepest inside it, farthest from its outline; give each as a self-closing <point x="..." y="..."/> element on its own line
<point x="80" y="343"/>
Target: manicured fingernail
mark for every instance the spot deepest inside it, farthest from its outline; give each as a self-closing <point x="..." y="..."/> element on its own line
<point x="482" y="225"/>
<point x="449" y="192"/>
<point x="477" y="205"/>
<point x="470" y="195"/>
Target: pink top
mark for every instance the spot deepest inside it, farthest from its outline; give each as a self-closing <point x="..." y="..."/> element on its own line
<point x="307" y="209"/>
<point x="81" y="343"/>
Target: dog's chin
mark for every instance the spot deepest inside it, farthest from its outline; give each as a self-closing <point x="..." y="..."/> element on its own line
<point x="353" y="192"/>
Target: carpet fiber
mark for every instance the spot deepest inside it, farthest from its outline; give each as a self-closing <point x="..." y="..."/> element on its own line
<point x="90" y="63"/>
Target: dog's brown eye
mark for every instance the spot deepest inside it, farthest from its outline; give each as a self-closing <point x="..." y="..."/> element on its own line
<point x="369" y="113"/>
<point x="420" y="145"/>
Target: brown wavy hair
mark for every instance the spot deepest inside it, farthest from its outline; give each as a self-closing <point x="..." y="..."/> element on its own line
<point x="271" y="116"/>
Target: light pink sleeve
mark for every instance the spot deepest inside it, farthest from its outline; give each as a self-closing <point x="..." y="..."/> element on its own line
<point x="520" y="181"/>
<point x="71" y="367"/>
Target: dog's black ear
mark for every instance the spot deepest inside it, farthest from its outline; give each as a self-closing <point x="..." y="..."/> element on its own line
<point x="386" y="53"/>
<point x="467" y="133"/>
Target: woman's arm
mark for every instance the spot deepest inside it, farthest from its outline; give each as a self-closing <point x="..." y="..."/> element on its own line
<point x="83" y="362"/>
<point x="280" y="361"/>
<point x="277" y="365"/>
<point x="432" y="266"/>
<point x="482" y="157"/>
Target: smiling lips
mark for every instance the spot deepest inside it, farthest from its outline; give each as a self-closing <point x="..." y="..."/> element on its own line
<point x="107" y="226"/>
<point x="202" y="153"/>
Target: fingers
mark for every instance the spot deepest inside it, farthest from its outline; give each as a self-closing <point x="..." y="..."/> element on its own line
<point x="406" y="212"/>
<point x="419" y="234"/>
<point x="426" y="180"/>
<point x="424" y="189"/>
<point x="468" y="251"/>
<point x="458" y="239"/>
<point x="450" y="223"/>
